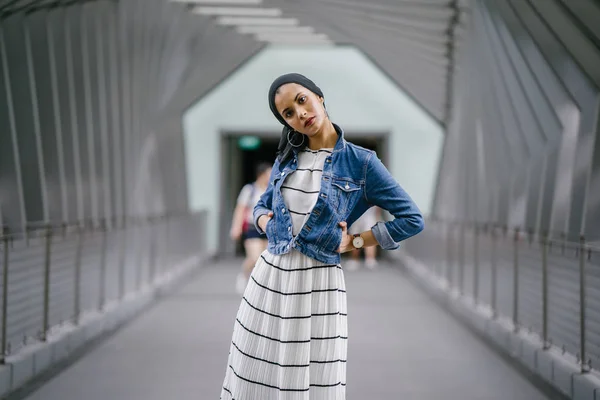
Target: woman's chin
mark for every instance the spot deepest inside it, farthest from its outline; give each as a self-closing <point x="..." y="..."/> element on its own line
<point x="311" y="131"/>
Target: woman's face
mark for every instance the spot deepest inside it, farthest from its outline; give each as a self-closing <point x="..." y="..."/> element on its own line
<point x="300" y="108"/>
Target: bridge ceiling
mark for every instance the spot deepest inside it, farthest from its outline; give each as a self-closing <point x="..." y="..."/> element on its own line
<point x="414" y="41"/>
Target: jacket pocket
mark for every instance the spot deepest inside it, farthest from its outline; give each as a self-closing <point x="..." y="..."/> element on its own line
<point x="331" y="238"/>
<point x="344" y="194"/>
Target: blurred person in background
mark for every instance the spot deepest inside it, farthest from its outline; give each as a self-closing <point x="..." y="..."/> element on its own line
<point x="242" y="225"/>
<point x="364" y="223"/>
<point x="291" y="330"/>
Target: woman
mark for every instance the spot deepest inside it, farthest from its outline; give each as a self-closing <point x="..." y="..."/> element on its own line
<point x="242" y="225"/>
<point x="290" y="335"/>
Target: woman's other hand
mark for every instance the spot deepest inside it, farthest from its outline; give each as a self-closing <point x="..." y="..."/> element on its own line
<point x="346" y="244"/>
<point x="264" y="220"/>
<point x="235" y="233"/>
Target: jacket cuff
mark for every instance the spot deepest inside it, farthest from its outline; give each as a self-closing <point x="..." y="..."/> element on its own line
<point x="257" y="214"/>
<point x="383" y="237"/>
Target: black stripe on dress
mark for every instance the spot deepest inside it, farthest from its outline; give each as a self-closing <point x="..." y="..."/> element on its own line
<point x="298" y="213"/>
<point x="286" y="365"/>
<point x="269" y="362"/>
<point x="289" y="341"/>
<point x="300" y="269"/>
<point x="300" y="190"/>
<point x="273" y="339"/>
<point x="297" y="293"/>
<point x="329" y="362"/>
<point x="264" y="384"/>
<point x="332" y="385"/>
<point x="281" y="389"/>
<point x="294" y="317"/>
<point x="228" y="391"/>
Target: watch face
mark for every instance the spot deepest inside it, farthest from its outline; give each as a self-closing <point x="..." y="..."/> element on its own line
<point x="358" y="242"/>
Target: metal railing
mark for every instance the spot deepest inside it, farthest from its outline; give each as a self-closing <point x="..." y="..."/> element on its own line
<point x="53" y="274"/>
<point x="543" y="284"/>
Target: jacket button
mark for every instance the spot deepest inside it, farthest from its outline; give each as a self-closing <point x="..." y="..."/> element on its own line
<point x="283" y="173"/>
<point x="347" y="187"/>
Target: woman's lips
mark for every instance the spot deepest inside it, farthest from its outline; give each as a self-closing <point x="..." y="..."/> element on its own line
<point x="309" y="122"/>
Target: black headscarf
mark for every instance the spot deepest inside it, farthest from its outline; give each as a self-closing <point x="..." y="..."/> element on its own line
<point x="285" y="149"/>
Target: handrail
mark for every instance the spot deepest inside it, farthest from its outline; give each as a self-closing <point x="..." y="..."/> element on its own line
<point x="57" y="272"/>
<point x="514" y="260"/>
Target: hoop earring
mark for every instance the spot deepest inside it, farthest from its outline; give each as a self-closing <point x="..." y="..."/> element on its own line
<point x="290" y="142"/>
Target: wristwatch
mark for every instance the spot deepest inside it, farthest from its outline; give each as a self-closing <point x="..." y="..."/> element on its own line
<point x="357" y="241"/>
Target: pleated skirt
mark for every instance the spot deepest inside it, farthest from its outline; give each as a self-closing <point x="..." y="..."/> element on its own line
<point x="291" y="332"/>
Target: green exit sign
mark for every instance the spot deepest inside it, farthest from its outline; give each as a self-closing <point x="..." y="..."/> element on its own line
<point x="249" y="142"/>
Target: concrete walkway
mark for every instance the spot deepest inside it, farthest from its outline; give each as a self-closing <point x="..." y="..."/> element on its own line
<point x="401" y="346"/>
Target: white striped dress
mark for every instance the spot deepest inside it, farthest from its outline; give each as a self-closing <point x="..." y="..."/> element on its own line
<point x="290" y="335"/>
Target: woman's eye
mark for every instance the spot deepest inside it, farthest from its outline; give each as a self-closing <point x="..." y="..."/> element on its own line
<point x="288" y="114"/>
<point x="302" y="99"/>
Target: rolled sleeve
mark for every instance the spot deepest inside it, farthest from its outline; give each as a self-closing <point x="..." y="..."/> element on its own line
<point x="383" y="237"/>
<point x="259" y="212"/>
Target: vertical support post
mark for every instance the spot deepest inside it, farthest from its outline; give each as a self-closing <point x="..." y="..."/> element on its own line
<point x="47" y="257"/>
<point x="161" y="245"/>
<point x="77" y="280"/>
<point x="168" y="245"/>
<point x="88" y="117"/>
<point x="461" y="260"/>
<point x="36" y="119"/>
<point x="545" y="291"/>
<point x="121" y="283"/>
<point x="449" y="255"/>
<point x="58" y="131"/>
<point x="582" y="305"/>
<point x="141" y="232"/>
<point x="516" y="281"/>
<point x="153" y="252"/>
<point x="476" y="265"/>
<point x="494" y="274"/>
<point x="4" y="348"/>
<point x="102" y="290"/>
<point x="72" y="111"/>
<point x="8" y="91"/>
<point x="116" y="126"/>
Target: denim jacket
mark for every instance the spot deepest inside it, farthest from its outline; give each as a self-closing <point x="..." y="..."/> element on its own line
<point x="354" y="179"/>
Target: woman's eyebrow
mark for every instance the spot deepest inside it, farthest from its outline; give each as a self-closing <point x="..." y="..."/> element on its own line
<point x="295" y="99"/>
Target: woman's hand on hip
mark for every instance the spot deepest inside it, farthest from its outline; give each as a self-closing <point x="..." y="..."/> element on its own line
<point x="264" y="219"/>
<point x="346" y="244"/>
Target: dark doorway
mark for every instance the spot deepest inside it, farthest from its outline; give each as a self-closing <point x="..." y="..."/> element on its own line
<point x="266" y="152"/>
